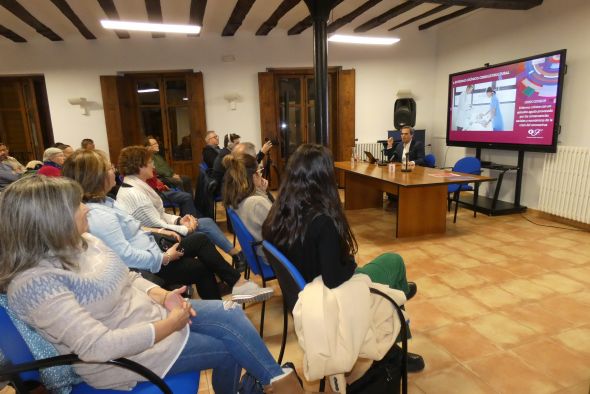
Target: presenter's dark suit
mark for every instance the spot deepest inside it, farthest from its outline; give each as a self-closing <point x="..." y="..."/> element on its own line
<point x="416" y="152"/>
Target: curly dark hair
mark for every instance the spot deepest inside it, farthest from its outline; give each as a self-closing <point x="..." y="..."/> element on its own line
<point x="308" y="190"/>
<point x="132" y="158"/>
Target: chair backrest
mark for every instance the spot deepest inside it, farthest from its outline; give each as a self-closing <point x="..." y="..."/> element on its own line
<point x="13" y="346"/>
<point x="289" y="277"/>
<point x="468" y="165"/>
<point x="249" y="246"/>
<point x="430" y="160"/>
<point x="203" y="167"/>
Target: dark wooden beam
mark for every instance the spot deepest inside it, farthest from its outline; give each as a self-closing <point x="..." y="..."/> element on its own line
<point x="6" y="32"/>
<point x="501" y="4"/>
<point x="338" y="23"/>
<point x="433" y="11"/>
<point x="108" y="6"/>
<point x="446" y="18"/>
<point x="154" y="14"/>
<point x="20" y="12"/>
<point x="271" y="22"/>
<point x="392" y="13"/>
<point x="65" y="9"/>
<point x="196" y="14"/>
<point x="305" y="23"/>
<point x="237" y="17"/>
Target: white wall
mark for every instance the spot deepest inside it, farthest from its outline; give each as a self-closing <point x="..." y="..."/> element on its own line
<point x="72" y="69"/>
<point x="489" y="36"/>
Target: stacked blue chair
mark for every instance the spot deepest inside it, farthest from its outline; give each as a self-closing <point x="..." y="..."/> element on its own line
<point x="429" y="160"/>
<point x="22" y="367"/>
<point x="467" y="165"/>
<point x="249" y="248"/>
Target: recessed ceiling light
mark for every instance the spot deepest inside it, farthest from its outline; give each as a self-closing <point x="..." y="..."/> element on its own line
<point x="154" y="27"/>
<point x="147" y="90"/>
<point x="363" y="40"/>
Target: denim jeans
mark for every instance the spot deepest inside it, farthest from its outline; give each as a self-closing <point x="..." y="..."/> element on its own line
<point x="221" y="337"/>
<point x="208" y="227"/>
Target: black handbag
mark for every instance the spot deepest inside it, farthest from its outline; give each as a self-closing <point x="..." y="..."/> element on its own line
<point x="385" y="375"/>
<point x="163" y="241"/>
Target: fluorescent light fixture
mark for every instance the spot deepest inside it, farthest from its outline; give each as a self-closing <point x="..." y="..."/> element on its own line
<point x="148" y="90"/>
<point x="155" y="27"/>
<point x="363" y="40"/>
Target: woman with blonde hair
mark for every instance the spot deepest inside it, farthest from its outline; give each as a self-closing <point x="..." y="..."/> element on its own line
<point x="80" y="296"/>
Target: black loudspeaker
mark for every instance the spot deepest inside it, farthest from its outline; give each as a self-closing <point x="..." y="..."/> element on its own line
<point x="404" y="113"/>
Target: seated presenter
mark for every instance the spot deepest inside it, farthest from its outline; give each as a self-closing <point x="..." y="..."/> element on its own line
<point x="412" y="148"/>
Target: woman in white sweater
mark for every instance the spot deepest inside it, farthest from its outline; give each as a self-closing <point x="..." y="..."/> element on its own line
<point x="80" y="297"/>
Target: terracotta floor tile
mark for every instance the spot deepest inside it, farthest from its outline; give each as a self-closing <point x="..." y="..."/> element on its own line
<point x="521" y="268"/>
<point x="432" y="287"/>
<point x="525" y="289"/>
<point x="559" y="242"/>
<point x="435" y="356"/>
<point x="459" y="279"/>
<point x="567" y="308"/>
<point x="494" y="297"/>
<point x="457" y="380"/>
<point x="581" y="274"/>
<point x="558" y="283"/>
<point x="424" y="315"/>
<point x="574" y="256"/>
<point x="463" y="342"/>
<point x="501" y="330"/>
<point x="508" y="374"/>
<point x="580" y="388"/>
<point x="491" y="273"/>
<point x="538" y="318"/>
<point x="460" y="261"/>
<point x="459" y="307"/>
<point x="577" y="339"/>
<point x="551" y="358"/>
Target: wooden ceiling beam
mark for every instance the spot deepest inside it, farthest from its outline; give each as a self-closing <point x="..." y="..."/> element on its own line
<point x="65" y="9"/>
<point x="446" y="18"/>
<point x="6" y="32"/>
<point x="433" y="11"/>
<point x="346" y="19"/>
<point x="272" y="21"/>
<point x="196" y="14"/>
<point x="306" y="23"/>
<point x="154" y="14"/>
<point x="500" y="4"/>
<point x="392" y="13"/>
<point x="237" y="17"/>
<point x="108" y="6"/>
<point x="20" y="12"/>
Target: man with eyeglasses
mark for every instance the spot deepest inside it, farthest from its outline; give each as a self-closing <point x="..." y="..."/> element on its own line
<point x="211" y="149"/>
<point x="164" y="171"/>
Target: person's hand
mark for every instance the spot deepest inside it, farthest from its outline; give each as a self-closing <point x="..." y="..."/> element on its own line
<point x="266" y="147"/>
<point x="174" y="253"/>
<point x="189" y="222"/>
<point x="390" y="143"/>
<point x="180" y="315"/>
<point x="412" y="164"/>
<point x="263" y="185"/>
<point x="170" y="234"/>
<point x="165" y="188"/>
<point x="176" y="176"/>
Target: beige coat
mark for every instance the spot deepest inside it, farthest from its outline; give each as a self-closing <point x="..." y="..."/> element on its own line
<point x="337" y="326"/>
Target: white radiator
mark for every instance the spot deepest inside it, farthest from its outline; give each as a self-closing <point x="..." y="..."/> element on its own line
<point x="565" y="188"/>
<point x="372" y="147"/>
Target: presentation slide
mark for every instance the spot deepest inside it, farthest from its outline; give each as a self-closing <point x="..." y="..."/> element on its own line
<point x="513" y="103"/>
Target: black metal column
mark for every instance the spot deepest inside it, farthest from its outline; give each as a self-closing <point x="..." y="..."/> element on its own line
<point x="320" y="12"/>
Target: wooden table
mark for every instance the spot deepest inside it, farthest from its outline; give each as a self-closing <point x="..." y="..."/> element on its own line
<point x="421" y="194"/>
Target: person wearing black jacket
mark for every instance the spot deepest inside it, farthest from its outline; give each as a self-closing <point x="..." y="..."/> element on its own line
<point x="211" y="149"/>
<point x="413" y="148"/>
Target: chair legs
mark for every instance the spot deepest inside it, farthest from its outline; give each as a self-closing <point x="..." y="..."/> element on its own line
<point x="285" y="327"/>
<point x="456" y="198"/>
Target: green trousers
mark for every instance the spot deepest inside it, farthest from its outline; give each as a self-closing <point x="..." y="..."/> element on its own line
<point x="388" y="269"/>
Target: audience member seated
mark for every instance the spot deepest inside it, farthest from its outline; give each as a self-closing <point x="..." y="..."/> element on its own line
<point x="230" y="141"/>
<point x="10" y="168"/>
<point x="32" y="167"/>
<point x="66" y="149"/>
<point x="53" y="160"/>
<point x="245" y="191"/>
<point x="414" y="149"/>
<point x="165" y="173"/>
<point x="138" y="199"/>
<point x="307" y="223"/>
<point x="137" y="248"/>
<point x="81" y="297"/>
<point x="211" y="149"/>
<point x="87" y="144"/>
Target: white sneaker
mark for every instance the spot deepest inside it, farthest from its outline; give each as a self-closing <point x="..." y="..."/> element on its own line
<point x="251" y="292"/>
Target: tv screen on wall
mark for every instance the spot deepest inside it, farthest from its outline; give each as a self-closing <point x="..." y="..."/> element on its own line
<point x="513" y="105"/>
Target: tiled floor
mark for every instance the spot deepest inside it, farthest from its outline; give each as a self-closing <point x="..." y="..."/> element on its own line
<point x="503" y="305"/>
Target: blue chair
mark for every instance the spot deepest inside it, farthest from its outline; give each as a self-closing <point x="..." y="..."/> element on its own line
<point x="292" y="282"/>
<point x="429" y="160"/>
<point x="22" y="367"/>
<point x="467" y="165"/>
<point x="249" y="248"/>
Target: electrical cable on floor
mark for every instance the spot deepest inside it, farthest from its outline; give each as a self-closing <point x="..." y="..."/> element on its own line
<point x="549" y="225"/>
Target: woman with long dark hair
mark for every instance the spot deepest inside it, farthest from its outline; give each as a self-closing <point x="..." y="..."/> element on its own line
<point x="307" y="223"/>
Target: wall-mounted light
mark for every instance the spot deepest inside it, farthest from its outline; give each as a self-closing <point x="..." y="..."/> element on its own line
<point x="151" y="27"/>
<point x="232" y="99"/>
